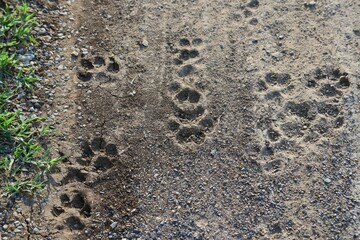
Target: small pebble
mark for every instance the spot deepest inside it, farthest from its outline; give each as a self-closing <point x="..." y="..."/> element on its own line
<point x="327" y="180"/>
<point x="213" y="152"/>
<point x="42" y="32"/>
<point x="113" y="225"/>
<point x="145" y="43"/>
<point x="75" y="53"/>
<point x="84" y="51"/>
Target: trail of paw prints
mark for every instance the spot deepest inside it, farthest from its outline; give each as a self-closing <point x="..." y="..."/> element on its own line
<point x="299" y="118"/>
<point x="97" y="156"/>
<point x="98" y="68"/>
<point x="190" y="121"/>
<point x="273" y="89"/>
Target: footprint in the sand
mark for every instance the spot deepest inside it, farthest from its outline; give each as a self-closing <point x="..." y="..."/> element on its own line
<point x="98" y="68"/>
<point x="328" y="82"/>
<point x="252" y="4"/>
<point x="302" y="120"/>
<point x="75" y="206"/>
<point x="98" y="155"/>
<point x="273" y="88"/>
<point x="190" y="122"/>
<point x="188" y="55"/>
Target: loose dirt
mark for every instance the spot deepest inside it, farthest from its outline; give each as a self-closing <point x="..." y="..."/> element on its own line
<point x="208" y="120"/>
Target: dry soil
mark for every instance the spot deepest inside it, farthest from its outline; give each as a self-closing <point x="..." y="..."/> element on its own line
<point x="208" y="119"/>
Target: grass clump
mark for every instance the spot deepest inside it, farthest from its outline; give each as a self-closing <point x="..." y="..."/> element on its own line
<point x="16" y="26"/>
<point x="24" y="160"/>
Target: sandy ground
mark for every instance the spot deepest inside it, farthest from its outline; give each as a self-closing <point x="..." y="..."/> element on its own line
<point x="208" y="120"/>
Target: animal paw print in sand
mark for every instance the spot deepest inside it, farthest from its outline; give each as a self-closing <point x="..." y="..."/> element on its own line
<point x="190" y="121"/>
<point x="75" y="206"/>
<point x="329" y="84"/>
<point x="97" y="156"/>
<point x="300" y="118"/>
<point x="186" y="56"/>
<point x="98" y="68"/>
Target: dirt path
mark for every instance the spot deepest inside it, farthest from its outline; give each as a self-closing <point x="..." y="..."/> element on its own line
<point x="210" y="120"/>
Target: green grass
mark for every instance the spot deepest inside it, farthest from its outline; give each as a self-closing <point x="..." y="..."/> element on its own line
<point x="24" y="162"/>
<point x="16" y="26"/>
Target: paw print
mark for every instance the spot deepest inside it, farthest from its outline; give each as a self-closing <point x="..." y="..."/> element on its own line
<point x="98" y="154"/>
<point x="187" y="51"/>
<point x="190" y="122"/>
<point x="305" y="120"/>
<point x="98" y="68"/>
<point x="328" y="82"/>
<point x="75" y="207"/>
